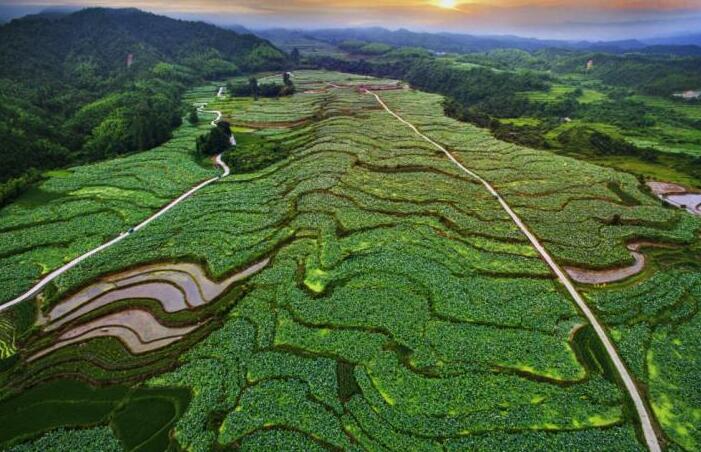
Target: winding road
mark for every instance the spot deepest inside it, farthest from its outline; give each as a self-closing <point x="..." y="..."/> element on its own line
<point x="34" y="291"/>
<point x="634" y="393"/>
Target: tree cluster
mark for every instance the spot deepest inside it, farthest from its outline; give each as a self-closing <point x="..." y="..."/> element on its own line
<point x="255" y="89"/>
<point x="216" y="141"/>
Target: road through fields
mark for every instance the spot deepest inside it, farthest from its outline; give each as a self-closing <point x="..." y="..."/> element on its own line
<point x="34" y="291"/>
<point x="633" y="392"/>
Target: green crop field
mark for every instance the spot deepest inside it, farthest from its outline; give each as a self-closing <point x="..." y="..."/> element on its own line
<point x="558" y="92"/>
<point x="656" y="324"/>
<point x="399" y="306"/>
<point x="662" y="124"/>
<point x="686" y="108"/>
<point x="78" y="209"/>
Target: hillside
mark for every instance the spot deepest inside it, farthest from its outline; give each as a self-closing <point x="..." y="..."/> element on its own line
<point x="46" y="48"/>
<point x="67" y="93"/>
<point x="361" y="292"/>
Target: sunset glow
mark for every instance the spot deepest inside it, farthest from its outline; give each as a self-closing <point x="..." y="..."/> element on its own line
<point x="569" y="19"/>
<point x="448" y="4"/>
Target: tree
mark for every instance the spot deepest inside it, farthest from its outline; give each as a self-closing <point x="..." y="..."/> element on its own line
<point x="295" y="56"/>
<point x="215" y="142"/>
<point x="253" y="84"/>
<point x="225" y="127"/>
<point x="289" y="87"/>
<point x="192" y="117"/>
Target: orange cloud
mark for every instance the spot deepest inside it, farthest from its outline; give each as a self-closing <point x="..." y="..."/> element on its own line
<point x="590" y="19"/>
<point x="367" y="5"/>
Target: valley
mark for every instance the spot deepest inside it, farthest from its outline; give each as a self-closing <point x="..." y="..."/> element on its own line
<point x="391" y="280"/>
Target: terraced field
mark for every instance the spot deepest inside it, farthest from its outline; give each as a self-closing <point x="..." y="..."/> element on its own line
<point x="669" y="124"/>
<point x="558" y="92"/>
<point x="688" y="109"/>
<point x="78" y="209"/>
<point x="370" y="295"/>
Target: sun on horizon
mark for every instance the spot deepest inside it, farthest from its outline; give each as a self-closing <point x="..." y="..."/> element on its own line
<point x="447" y="4"/>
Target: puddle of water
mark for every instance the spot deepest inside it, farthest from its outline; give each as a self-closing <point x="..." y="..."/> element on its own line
<point x="143" y="323"/>
<point x="175" y="286"/>
<point x="586" y="276"/>
<point x="677" y="196"/>
<point x="171" y="298"/>
<point x="688" y="201"/>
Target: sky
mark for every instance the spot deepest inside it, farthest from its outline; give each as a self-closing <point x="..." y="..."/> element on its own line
<point x="560" y="19"/>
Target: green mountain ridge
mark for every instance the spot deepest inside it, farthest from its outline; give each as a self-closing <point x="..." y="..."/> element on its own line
<point x="40" y="48"/>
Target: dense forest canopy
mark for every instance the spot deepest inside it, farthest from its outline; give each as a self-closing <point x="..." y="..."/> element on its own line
<point x="101" y="82"/>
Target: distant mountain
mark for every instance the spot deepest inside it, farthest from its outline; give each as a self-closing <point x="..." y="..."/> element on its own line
<point x="439" y="42"/>
<point x="604" y="46"/>
<point x="302" y="40"/>
<point x="462" y="43"/>
<point x="680" y="50"/>
<point x="687" y="39"/>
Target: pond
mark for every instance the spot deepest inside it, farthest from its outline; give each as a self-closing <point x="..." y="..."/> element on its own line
<point x="677" y="196"/>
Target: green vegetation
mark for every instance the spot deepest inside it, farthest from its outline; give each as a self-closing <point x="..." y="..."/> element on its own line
<point x="656" y="324"/>
<point x="67" y="98"/>
<point x="251" y="87"/>
<point x="216" y="141"/>
<point x="62" y="440"/>
<point x="365" y="48"/>
<point x="255" y="151"/>
<point x="140" y="417"/>
<point x="401" y="307"/>
<point x="537" y="99"/>
<point x="616" y="97"/>
<point x="16" y="186"/>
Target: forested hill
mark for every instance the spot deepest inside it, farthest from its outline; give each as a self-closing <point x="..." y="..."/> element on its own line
<point x="67" y="94"/>
<point x="92" y="45"/>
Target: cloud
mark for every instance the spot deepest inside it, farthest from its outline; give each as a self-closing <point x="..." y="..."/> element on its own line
<point x="605" y="19"/>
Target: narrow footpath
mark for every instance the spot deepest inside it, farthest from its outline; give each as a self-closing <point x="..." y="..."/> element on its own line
<point x="645" y="417"/>
<point x="34" y="291"/>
